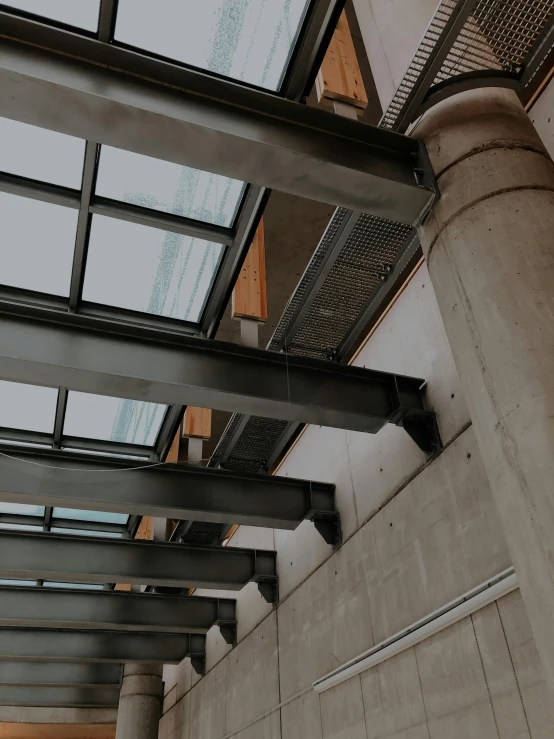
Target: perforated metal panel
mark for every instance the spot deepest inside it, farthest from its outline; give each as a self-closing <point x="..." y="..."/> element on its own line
<point x="499" y="35"/>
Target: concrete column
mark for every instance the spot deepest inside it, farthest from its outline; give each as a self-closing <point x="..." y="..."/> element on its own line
<point x="140" y="702"/>
<point x="489" y="245"/>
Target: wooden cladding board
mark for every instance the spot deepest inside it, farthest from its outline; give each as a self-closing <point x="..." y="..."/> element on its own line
<point x="197" y="423"/>
<point x="56" y="731"/>
<point x="339" y="77"/>
<point x="250" y="294"/>
<point x="173" y="453"/>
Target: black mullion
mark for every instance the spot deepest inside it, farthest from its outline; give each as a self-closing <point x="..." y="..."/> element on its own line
<point x="60" y="416"/>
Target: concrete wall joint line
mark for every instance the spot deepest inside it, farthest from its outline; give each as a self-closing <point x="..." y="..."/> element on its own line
<point x="477" y="201"/>
<point x="485" y="676"/>
<point x="491" y="145"/>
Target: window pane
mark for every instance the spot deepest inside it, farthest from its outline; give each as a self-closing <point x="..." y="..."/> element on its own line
<point x="100" y="516"/>
<point x="41" y="154"/>
<point x="21" y="509"/>
<point x="105" y="454"/>
<point x="153" y="183"/>
<point x="148" y="270"/>
<point x="80" y="13"/>
<point x="27" y="407"/>
<point x="248" y="40"/>
<point x="76" y="585"/>
<point x="20" y="527"/>
<point x="83" y="532"/>
<point x="18" y="582"/>
<point x="36" y="245"/>
<point x="112" y="419"/>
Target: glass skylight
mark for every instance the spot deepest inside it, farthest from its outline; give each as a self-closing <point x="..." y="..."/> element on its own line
<point x="20" y="527"/>
<point x="112" y="419"/>
<point x="17" y="582"/>
<point x="248" y="40"/>
<point x="97" y="516"/>
<point x="153" y="183"/>
<point x="22" y="509"/>
<point x="41" y="154"/>
<point x="149" y="270"/>
<point x="79" y="13"/>
<point x="36" y="249"/>
<point x="83" y="532"/>
<point x="76" y="585"/>
<point x="27" y="407"/>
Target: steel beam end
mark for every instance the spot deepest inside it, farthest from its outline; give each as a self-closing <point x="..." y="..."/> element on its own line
<point x="198" y="662"/>
<point x="328" y="525"/>
<point x="423" y="428"/>
<point x="229" y="632"/>
<point x="269" y="589"/>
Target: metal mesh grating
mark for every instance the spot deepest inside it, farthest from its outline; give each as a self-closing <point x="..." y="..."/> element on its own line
<point x="499" y="35"/>
<point x="355" y="277"/>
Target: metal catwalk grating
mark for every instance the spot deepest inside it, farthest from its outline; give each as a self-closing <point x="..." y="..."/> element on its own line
<point x="498" y="35"/>
<point x="349" y="267"/>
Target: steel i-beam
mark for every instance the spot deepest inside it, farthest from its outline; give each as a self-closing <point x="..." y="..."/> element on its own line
<point x="58" y="697"/>
<point x="169" y="491"/>
<point x="111" y="610"/>
<point x="211" y="124"/>
<point x="60" y="674"/>
<point x="60" y="558"/>
<point x="50" y="645"/>
<point x="82" y="353"/>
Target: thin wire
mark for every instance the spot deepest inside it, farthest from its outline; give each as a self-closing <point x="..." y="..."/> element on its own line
<point x="77" y="469"/>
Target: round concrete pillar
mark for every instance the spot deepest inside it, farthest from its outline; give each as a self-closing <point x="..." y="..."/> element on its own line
<point x="489" y="245"/>
<point x="140" y="702"/>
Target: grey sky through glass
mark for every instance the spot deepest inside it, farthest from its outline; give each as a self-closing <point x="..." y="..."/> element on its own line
<point x="27" y="407"/>
<point x="248" y="40"/>
<point x="149" y="270"/>
<point x="98" y="516"/>
<point x="112" y="419"/>
<point x="41" y="154"/>
<point x="153" y="183"/>
<point x="37" y="244"/>
<point x="80" y="13"/>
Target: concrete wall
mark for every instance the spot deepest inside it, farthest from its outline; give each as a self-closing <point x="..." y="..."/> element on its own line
<point x="417" y="535"/>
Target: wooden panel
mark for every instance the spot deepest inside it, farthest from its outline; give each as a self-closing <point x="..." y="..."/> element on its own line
<point x="197" y="423"/>
<point x="173" y="453"/>
<point x="339" y="77"/>
<point x="250" y="294"/>
<point x="57" y="731"/>
<point x="123" y="586"/>
<point x="145" y="529"/>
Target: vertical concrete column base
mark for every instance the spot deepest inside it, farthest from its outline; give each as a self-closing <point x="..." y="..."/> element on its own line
<point x="140" y="702"/>
<point x="489" y="244"/>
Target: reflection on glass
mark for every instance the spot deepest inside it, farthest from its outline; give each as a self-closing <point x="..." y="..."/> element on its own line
<point x="27" y="407"/>
<point x="158" y="185"/>
<point x="83" y="532"/>
<point x="21" y="509"/>
<point x="105" y="454"/>
<point x="36" y="248"/>
<point x="76" y="585"/>
<point x="112" y="419"/>
<point x="40" y="154"/>
<point x="98" y="516"/>
<point x="79" y="13"/>
<point x="148" y="270"/>
<point x="248" y="40"/>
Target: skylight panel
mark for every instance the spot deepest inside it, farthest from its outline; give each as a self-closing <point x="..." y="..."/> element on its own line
<point x="17" y="582"/>
<point x="27" y="407"/>
<point x="87" y="532"/>
<point x="22" y="509"/>
<point x="36" y="249"/>
<point x="80" y="13"/>
<point x="248" y="40"/>
<point x="148" y="270"/>
<point x="112" y="419"/>
<point x="76" y="585"/>
<point x="40" y="154"/>
<point x="20" y="527"/>
<point x="97" y="516"/>
<point x="171" y="188"/>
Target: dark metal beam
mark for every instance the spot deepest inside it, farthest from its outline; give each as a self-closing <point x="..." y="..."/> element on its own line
<point x="208" y="123"/>
<point x="60" y="674"/>
<point x="168" y="491"/>
<point x="111" y="610"/>
<point x="71" y="697"/>
<point x="182" y="370"/>
<point x="60" y="558"/>
<point x="48" y="645"/>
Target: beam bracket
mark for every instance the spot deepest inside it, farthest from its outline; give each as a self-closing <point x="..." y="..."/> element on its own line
<point x="269" y="589"/>
<point x="423" y="428"/>
<point x="328" y="525"/>
<point x="228" y="631"/>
